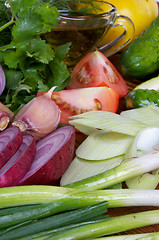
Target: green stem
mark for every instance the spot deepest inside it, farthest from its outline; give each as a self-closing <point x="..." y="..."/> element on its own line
<point x="7" y="25"/>
<point x="25" y="195"/>
<point x="114" y="225"/>
<point x="124" y="171"/>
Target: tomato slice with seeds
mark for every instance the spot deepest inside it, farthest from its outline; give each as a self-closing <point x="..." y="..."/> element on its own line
<point x="95" y="70"/>
<point x="76" y="101"/>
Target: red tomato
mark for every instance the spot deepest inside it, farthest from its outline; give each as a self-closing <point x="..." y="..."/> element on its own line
<point x="76" y="101"/>
<point x="96" y="70"/>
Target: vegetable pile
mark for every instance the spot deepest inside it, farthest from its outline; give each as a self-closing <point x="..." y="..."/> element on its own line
<point x="42" y="106"/>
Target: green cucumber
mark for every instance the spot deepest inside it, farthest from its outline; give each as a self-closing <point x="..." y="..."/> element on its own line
<point x="142" y="98"/>
<point x="141" y="57"/>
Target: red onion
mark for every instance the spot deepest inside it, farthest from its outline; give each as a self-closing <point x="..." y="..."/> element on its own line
<point x="17" y="166"/>
<point x="6" y="116"/>
<point x="54" y="154"/>
<point x="2" y="80"/>
<point x="38" y="117"/>
<point x="10" y="141"/>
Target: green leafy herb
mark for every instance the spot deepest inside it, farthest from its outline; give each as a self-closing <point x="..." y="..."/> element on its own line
<point x="29" y="63"/>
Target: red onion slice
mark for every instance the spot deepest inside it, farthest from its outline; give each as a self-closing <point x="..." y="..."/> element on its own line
<point x="10" y="141"/>
<point x="2" y="80"/>
<point x="54" y="154"/>
<point x="16" y="168"/>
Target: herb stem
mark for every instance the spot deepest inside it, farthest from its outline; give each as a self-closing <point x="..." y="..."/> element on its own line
<point x="7" y="24"/>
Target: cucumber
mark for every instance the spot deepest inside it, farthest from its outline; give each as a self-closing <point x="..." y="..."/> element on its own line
<point x="142" y="98"/>
<point x="141" y="57"/>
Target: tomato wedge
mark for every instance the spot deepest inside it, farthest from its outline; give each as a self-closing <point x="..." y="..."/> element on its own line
<point x="96" y="70"/>
<point x="76" y="101"/>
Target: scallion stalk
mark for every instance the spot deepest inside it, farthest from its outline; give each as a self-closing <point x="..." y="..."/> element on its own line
<point x="114" y="225"/>
<point x="128" y="169"/>
<point x="143" y="236"/>
<point x="25" y="195"/>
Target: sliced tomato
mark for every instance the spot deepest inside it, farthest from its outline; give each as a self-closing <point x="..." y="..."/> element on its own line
<point x="95" y="70"/>
<point x="76" y="101"/>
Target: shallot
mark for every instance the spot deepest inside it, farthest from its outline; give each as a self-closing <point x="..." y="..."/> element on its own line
<point x="38" y="117"/>
<point x="54" y="154"/>
<point x="17" y="166"/>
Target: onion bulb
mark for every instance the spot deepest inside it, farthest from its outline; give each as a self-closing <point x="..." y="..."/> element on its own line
<point x="6" y="116"/>
<point x="38" y="117"/>
<point x="2" y="80"/>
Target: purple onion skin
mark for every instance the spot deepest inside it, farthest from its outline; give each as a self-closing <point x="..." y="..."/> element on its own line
<point x="56" y="161"/>
<point x="10" y="141"/>
<point x="2" y="80"/>
<point x="17" y="166"/>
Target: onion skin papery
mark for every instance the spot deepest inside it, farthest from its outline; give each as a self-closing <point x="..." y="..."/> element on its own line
<point x="2" y="80"/>
<point x="38" y="117"/>
<point x="6" y="116"/>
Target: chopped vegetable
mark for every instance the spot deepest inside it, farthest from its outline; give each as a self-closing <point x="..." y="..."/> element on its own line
<point x="38" y="117"/>
<point x="76" y="101"/>
<point x="127" y="170"/>
<point x="81" y="168"/>
<point x="54" y="153"/>
<point x="19" y="164"/>
<point x="10" y="139"/>
<point x="107" y="121"/>
<point x="95" y="70"/>
<point x="104" y="146"/>
<point x="6" y="116"/>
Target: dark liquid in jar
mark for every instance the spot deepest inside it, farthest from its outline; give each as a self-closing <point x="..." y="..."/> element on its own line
<point x="82" y="41"/>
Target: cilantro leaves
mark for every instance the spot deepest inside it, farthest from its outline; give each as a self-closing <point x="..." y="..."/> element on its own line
<point x="29" y="63"/>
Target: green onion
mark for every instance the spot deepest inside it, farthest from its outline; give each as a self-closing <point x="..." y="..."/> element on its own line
<point x="48" y="233"/>
<point x="127" y="170"/>
<point x="111" y="226"/>
<point x="144" y="236"/>
<point x="23" y="195"/>
<point x="58" y="220"/>
<point x="81" y="168"/>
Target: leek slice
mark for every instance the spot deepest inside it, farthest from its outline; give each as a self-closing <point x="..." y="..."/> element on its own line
<point x="145" y="142"/>
<point x="107" y="121"/>
<point x="80" y="169"/>
<point x="104" y="146"/>
<point x="148" y="115"/>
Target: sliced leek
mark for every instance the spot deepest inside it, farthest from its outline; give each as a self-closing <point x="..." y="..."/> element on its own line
<point x="104" y="145"/>
<point x="80" y="168"/>
<point x="126" y="170"/>
<point x="148" y="115"/>
<point x="107" y="121"/>
<point x="146" y="141"/>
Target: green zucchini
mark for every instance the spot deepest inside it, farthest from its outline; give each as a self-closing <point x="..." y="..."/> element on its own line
<point x="58" y="220"/>
<point x="141" y="57"/>
<point x="142" y="98"/>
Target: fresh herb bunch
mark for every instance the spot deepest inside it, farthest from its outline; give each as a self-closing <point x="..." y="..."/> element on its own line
<point x="29" y="63"/>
